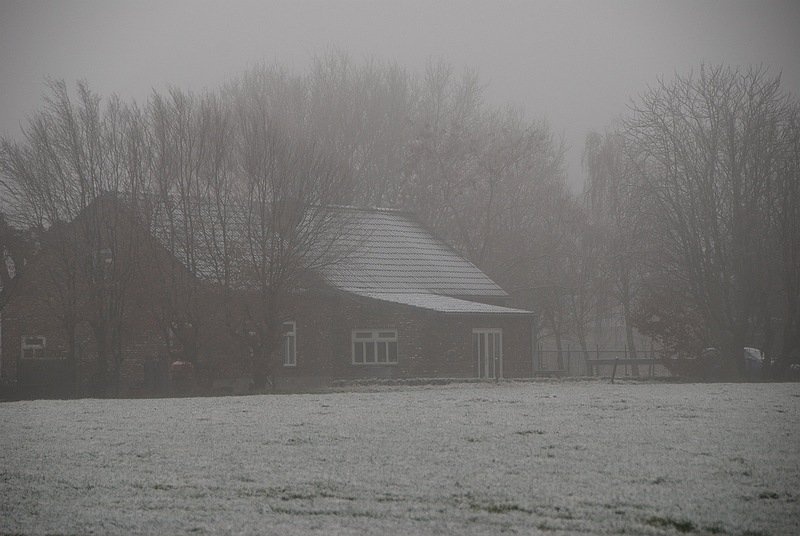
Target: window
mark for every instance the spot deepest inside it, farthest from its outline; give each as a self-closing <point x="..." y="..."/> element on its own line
<point x="33" y="347"/>
<point x="172" y="339"/>
<point x="104" y="257"/>
<point x="375" y="347"/>
<point x="100" y="262"/>
<point x="289" y="344"/>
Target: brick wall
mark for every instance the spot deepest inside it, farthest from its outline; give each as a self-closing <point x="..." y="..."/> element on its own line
<point x="429" y="344"/>
<point x="36" y="309"/>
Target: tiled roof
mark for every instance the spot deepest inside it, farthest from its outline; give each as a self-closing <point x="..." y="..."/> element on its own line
<point x="387" y="251"/>
<point x="377" y="252"/>
<point x="441" y="304"/>
<point x="173" y="223"/>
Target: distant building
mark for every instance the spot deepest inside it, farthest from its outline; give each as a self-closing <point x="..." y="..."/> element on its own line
<point x="397" y="303"/>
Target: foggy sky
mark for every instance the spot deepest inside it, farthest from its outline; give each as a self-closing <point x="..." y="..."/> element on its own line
<point x="577" y="64"/>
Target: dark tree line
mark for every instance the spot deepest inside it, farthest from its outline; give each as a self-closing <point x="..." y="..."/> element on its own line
<point x="234" y="183"/>
<point x="688" y="224"/>
<point x="697" y="191"/>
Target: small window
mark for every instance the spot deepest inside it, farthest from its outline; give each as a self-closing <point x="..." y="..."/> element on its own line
<point x="100" y="262"/>
<point x="172" y="339"/>
<point x="104" y="256"/>
<point x="289" y="344"/>
<point x="34" y="347"/>
<point x="375" y="347"/>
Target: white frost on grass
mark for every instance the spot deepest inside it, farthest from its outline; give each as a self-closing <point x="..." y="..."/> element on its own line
<point x="531" y="458"/>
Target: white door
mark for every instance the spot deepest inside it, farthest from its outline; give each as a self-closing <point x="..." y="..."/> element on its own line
<point x="487" y="350"/>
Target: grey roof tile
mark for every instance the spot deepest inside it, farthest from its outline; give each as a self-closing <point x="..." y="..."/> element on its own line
<point x="377" y="250"/>
<point x="388" y="251"/>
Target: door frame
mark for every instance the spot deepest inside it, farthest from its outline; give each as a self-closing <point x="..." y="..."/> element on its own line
<point x="488" y="342"/>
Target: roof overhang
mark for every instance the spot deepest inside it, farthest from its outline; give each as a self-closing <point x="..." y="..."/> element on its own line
<point x="440" y="304"/>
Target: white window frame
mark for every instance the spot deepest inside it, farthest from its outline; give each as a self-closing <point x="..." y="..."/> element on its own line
<point x="289" y="338"/>
<point x="27" y="345"/>
<point x="493" y="370"/>
<point x="172" y="339"/>
<point x="380" y="342"/>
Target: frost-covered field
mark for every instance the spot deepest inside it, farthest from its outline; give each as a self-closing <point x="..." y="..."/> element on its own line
<point x="528" y="458"/>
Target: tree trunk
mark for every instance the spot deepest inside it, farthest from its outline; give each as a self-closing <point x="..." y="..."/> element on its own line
<point x="560" y="358"/>
<point x="72" y="361"/>
<point x="631" y="345"/>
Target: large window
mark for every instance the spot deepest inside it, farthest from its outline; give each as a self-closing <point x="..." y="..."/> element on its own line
<point x="34" y="347"/>
<point x="375" y="347"/>
<point x="289" y="344"/>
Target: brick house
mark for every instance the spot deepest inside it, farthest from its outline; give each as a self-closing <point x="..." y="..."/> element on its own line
<point x="402" y="304"/>
<point x="398" y="303"/>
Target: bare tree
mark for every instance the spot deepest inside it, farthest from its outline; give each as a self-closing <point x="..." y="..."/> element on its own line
<point x="707" y="149"/>
<point x="190" y="203"/>
<point x="77" y="158"/>
<point x="441" y="163"/>
<point x="475" y="175"/>
<point x="289" y="231"/>
<point x="362" y="113"/>
<point x="786" y="210"/>
<point x="233" y="185"/>
<point x="612" y="197"/>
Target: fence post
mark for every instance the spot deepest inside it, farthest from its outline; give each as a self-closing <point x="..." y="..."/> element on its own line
<point x="614" y="369"/>
<point x="542" y="365"/>
<point x="569" y="358"/>
<point x="625" y="357"/>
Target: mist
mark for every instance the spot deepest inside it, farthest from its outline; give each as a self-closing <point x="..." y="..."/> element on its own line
<point x="391" y="267"/>
<point x="575" y="64"/>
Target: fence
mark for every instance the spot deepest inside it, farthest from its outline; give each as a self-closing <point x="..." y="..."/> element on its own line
<point x="577" y="362"/>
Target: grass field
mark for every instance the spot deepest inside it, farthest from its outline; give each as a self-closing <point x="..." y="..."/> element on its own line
<point x="526" y="458"/>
